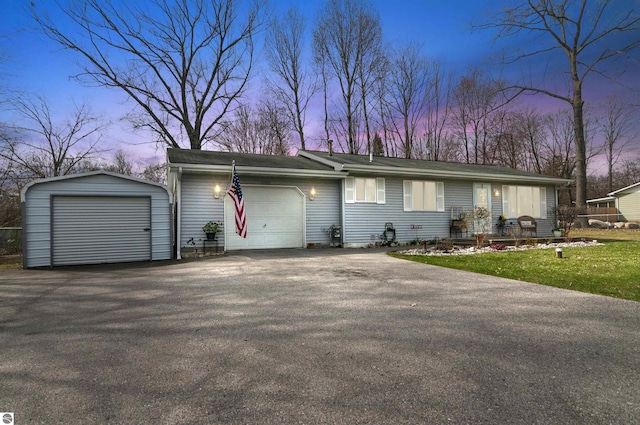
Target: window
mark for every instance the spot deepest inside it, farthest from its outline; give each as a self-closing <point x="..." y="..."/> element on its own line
<point x="423" y="195"/>
<point x="360" y="189"/>
<point x="524" y="200"/>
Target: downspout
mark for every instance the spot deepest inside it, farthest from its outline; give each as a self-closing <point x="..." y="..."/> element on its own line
<point x="342" y="212"/>
<point x="178" y="213"/>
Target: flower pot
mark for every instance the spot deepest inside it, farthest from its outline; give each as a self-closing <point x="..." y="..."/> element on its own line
<point x="211" y="235"/>
<point x="557" y="233"/>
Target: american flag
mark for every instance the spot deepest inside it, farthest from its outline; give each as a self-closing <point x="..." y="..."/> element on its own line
<point x="236" y="194"/>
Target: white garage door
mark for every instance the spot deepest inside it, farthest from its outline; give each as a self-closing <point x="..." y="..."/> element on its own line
<point x="275" y="219"/>
<point x="100" y="229"/>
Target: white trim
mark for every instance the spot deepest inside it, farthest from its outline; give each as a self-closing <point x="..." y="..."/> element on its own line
<point x="623" y="189"/>
<point x="350" y="190"/>
<point x="407" y="195"/>
<point x="380" y="190"/>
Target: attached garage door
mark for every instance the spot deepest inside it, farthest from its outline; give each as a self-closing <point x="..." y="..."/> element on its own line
<point x="100" y="229"/>
<point x="275" y="219"/>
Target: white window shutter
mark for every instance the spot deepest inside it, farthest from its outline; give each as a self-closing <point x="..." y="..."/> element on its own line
<point x="406" y="194"/>
<point x="505" y="201"/>
<point x="380" y="198"/>
<point x="439" y="196"/>
<point x="543" y="202"/>
<point x="349" y="190"/>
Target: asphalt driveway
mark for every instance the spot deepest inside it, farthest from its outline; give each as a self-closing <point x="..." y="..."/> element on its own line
<point x="310" y="337"/>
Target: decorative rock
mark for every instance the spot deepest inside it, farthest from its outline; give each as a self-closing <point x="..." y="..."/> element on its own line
<point x="474" y="250"/>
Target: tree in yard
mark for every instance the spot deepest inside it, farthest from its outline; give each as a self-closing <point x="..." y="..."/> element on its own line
<point x="43" y="147"/>
<point x="587" y="34"/>
<point x="183" y="63"/>
<point x="292" y="86"/>
<point x="347" y="39"/>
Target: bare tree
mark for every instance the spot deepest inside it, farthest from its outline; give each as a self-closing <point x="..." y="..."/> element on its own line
<point x="475" y="97"/>
<point x="43" y="147"/>
<point x="294" y="86"/>
<point x="615" y="127"/>
<point x="347" y="36"/>
<point x="121" y="164"/>
<point x="264" y="131"/>
<point x="436" y="119"/>
<point x="156" y="173"/>
<point x="184" y="63"/>
<point x="276" y="126"/>
<point x="587" y="34"/>
<point x="407" y="92"/>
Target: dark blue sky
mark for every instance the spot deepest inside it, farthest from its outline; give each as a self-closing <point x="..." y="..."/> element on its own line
<point x="36" y="65"/>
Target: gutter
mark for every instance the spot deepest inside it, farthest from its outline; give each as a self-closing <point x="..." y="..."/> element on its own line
<point x="178" y="212"/>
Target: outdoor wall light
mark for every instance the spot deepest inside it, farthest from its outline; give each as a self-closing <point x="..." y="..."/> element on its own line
<point x="496" y="192"/>
<point x="312" y="193"/>
<point x="216" y="191"/>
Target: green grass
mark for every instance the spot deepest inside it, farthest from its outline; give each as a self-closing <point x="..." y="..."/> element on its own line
<point x="611" y="269"/>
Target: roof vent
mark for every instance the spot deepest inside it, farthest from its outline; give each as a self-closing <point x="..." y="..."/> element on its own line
<point x="370" y="156"/>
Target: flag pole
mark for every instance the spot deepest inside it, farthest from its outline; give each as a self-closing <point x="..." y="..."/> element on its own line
<point x="233" y="167"/>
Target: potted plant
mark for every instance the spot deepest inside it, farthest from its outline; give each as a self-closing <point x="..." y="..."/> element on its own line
<point x="481" y="223"/>
<point x="211" y="228"/>
<point x="502" y="221"/>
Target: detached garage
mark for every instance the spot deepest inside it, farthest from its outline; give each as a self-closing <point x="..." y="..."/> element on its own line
<point x="94" y="218"/>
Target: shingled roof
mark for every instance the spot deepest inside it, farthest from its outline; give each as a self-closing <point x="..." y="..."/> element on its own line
<point x="200" y="157"/>
<point x="378" y="164"/>
<point x="335" y="165"/>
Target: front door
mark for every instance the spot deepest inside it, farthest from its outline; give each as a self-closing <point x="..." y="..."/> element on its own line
<point x="482" y="198"/>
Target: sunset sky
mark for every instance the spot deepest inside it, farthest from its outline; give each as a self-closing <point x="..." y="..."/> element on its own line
<point x="36" y="65"/>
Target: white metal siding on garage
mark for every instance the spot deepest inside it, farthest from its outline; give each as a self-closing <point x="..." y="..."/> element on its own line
<point x="100" y="229"/>
<point x="41" y="241"/>
<point x="275" y="218"/>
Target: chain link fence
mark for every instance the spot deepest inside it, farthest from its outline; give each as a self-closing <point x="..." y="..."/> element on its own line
<point x="10" y="240"/>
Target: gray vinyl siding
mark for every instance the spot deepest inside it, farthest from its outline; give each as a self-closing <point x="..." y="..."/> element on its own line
<point x="629" y="206"/>
<point x="198" y="205"/>
<point x="36" y="207"/>
<point x="365" y="222"/>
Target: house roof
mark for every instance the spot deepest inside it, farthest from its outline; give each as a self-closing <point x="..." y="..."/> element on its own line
<point x="336" y="165"/>
<point x="402" y="166"/>
<point x="624" y="189"/>
<point x="247" y="163"/>
<point x="88" y="174"/>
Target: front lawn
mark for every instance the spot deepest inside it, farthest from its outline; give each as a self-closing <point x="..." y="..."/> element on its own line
<point x="610" y="269"/>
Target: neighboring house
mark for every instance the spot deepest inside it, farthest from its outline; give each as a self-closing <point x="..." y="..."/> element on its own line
<point x="294" y="201"/>
<point x="628" y="202"/>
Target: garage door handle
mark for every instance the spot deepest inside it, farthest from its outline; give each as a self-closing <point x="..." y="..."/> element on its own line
<point x="146" y="229"/>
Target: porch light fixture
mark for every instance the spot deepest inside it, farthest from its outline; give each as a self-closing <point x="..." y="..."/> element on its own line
<point x="216" y="191"/>
<point x="496" y="192"/>
<point x="312" y="193"/>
